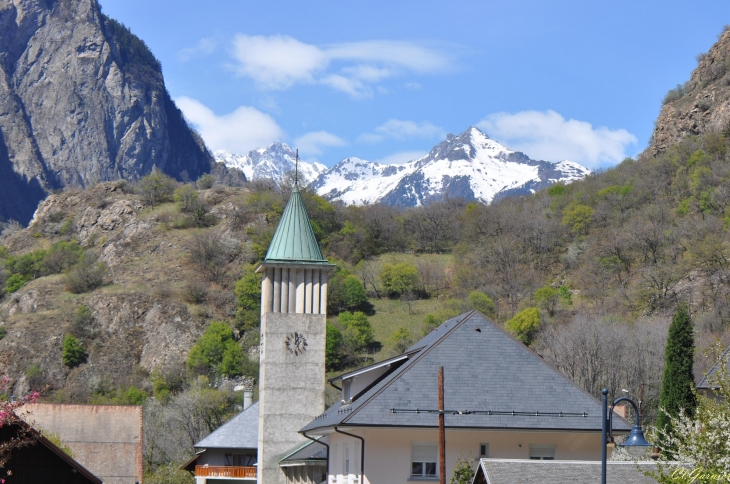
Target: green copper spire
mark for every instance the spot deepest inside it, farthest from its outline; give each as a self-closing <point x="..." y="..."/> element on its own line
<point x="294" y="240"/>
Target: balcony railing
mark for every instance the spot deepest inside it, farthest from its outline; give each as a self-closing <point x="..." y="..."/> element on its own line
<point x="225" y="471"/>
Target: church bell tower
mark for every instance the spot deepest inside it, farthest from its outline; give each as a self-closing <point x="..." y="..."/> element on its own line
<point x="293" y="338"/>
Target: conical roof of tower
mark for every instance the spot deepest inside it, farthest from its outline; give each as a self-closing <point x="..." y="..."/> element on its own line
<point x="294" y="240"/>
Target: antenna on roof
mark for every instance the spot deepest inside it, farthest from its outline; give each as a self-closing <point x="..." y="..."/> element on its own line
<point x="296" y="170"/>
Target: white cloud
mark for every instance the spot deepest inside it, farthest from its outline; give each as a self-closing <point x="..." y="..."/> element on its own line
<point x="402" y="130"/>
<point x="201" y="49"/>
<point x="313" y="142"/>
<point x="243" y="130"/>
<point x="401" y="157"/>
<point x="278" y="62"/>
<point x="546" y="135"/>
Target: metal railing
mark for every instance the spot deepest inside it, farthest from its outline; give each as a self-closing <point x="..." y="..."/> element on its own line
<point x="225" y="471"/>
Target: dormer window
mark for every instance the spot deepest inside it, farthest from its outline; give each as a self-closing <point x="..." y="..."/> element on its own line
<point x="347" y="390"/>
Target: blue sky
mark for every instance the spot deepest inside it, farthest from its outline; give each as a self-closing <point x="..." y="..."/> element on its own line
<point x="386" y="80"/>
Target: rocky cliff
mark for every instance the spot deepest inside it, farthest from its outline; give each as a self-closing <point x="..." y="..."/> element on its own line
<point x="699" y="106"/>
<point x="142" y="320"/>
<point x="81" y="100"/>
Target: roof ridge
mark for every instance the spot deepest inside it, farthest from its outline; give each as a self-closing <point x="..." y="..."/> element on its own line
<point x="409" y="365"/>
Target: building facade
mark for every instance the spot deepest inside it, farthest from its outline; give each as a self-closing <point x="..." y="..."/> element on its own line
<point x="293" y="339"/>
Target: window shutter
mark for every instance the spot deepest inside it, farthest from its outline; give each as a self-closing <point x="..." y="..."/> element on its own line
<point x="425" y="452"/>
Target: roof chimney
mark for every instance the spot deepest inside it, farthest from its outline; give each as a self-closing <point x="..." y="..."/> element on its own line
<point x="247" y="397"/>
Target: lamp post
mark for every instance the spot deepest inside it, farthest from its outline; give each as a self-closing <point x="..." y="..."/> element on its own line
<point x="636" y="444"/>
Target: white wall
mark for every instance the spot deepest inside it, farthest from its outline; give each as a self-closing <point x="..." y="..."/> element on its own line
<point x="388" y="451"/>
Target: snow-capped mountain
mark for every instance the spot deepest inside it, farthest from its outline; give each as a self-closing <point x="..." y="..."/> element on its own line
<point x="470" y="165"/>
<point x="270" y="163"/>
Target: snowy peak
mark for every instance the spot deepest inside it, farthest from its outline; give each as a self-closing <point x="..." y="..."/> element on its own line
<point x="272" y="163"/>
<point x="469" y="165"/>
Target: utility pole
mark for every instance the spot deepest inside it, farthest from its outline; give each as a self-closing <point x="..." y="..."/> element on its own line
<point x="442" y="430"/>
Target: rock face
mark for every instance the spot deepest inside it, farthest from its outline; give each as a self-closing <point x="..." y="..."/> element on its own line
<point x="701" y="105"/>
<point x="81" y="100"/>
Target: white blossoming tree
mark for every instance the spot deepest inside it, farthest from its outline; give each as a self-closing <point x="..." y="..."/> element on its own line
<point x="697" y="450"/>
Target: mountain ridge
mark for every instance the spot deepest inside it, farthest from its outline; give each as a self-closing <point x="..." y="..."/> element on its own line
<point x="469" y="165"/>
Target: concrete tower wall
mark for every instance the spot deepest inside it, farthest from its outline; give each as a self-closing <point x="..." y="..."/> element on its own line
<point x="291" y="385"/>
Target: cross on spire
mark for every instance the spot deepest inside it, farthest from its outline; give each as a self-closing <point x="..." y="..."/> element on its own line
<point x="296" y="170"/>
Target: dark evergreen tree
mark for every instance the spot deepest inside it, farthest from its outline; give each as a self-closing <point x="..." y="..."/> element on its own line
<point x="678" y="380"/>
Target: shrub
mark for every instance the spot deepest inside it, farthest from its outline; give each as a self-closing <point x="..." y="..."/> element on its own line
<point x="134" y="396"/>
<point x="35" y="377"/>
<point x="216" y="351"/>
<point x="524" y="325"/>
<point x="357" y="332"/>
<point x="157" y="187"/>
<point x="333" y="348"/>
<point x="674" y="94"/>
<point x="168" y="474"/>
<point x="400" y="340"/>
<point x="557" y="189"/>
<point x="14" y="282"/>
<point x="86" y="275"/>
<point x="29" y="265"/>
<point x="463" y="472"/>
<point x="61" y="256"/>
<point x="3" y="331"/>
<point x="56" y="439"/>
<point x="193" y="292"/>
<point x="578" y="217"/>
<point x="248" y="292"/>
<point x="345" y="292"/>
<point x="73" y="351"/>
<point x="187" y="198"/>
<point x="206" y="181"/>
<point x="81" y="325"/>
<point x="547" y="297"/>
<point x="482" y="303"/>
<point x="399" y="278"/>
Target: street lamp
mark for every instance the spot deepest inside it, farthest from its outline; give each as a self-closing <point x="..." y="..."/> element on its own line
<point x="636" y="444"/>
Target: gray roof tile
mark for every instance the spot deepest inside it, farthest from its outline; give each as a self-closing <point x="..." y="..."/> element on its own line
<point x="483" y="370"/>
<point x="240" y="432"/>
<point x="499" y="471"/>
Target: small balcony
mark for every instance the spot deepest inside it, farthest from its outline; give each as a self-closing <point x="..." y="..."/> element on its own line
<point x="226" y="472"/>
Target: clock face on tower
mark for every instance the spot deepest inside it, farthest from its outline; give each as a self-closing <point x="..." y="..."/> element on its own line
<point x="296" y="343"/>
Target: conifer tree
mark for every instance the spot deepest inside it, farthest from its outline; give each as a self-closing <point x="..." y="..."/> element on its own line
<point x="678" y="380"/>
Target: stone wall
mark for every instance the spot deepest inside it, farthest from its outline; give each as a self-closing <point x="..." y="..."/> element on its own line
<point x="107" y="439"/>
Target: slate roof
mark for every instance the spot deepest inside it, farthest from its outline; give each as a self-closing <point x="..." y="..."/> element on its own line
<point x="512" y="471"/>
<point x="240" y="432"/>
<point x="294" y="240"/>
<point x="308" y="452"/>
<point x="704" y="384"/>
<point x="483" y="370"/>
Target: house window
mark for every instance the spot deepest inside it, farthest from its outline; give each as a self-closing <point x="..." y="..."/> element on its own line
<point x="240" y="460"/>
<point x="542" y="452"/>
<point x="483" y="451"/>
<point x="423" y="459"/>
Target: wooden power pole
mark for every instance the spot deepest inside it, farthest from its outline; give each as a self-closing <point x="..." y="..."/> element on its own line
<point x="442" y="430"/>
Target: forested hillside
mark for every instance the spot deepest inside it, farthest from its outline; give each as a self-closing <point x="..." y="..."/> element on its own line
<point x="111" y="294"/>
